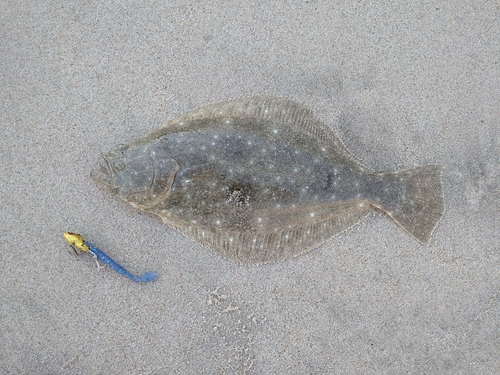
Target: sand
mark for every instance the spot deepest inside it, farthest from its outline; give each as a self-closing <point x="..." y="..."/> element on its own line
<point x="403" y="85"/>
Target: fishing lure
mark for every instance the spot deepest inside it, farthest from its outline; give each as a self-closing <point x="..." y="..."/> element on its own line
<point x="79" y="243"/>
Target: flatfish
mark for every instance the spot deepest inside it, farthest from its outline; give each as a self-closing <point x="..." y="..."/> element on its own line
<point x="261" y="179"/>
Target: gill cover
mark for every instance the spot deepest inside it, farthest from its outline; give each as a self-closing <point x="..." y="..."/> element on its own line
<point x="140" y="175"/>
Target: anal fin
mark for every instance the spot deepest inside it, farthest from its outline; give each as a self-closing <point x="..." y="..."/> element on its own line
<point x="284" y="238"/>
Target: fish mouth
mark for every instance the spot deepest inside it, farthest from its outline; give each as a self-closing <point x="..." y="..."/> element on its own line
<point x="103" y="173"/>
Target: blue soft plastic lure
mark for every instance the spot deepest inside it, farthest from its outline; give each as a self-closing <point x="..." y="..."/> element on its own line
<point x="78" y="242"/>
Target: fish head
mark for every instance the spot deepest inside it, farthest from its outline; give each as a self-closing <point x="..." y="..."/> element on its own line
<point x="141" y="175"/>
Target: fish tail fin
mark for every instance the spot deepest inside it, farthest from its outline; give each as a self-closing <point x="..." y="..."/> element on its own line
<point x="421" y="206"/>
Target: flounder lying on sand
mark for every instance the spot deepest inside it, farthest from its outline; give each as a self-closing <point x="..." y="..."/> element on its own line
<point x="261" y="179"/>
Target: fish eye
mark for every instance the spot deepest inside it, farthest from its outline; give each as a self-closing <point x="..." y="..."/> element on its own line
<point x="118" y="165"/>
<point x="119" y="150"/>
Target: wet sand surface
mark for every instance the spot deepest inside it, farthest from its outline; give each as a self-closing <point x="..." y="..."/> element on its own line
<point x="402" y="85"/>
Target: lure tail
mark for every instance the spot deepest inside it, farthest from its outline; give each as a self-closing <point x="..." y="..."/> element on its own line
<point x="107" y="260"/>
<point x="420" y="206"/>
<point x="77" y="241"/>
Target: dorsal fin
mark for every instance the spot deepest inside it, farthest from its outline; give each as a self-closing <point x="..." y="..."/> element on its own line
<point x="271" y="109"/>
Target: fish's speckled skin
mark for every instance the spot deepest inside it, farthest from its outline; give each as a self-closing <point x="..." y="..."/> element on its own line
<point x="260" y="179"/>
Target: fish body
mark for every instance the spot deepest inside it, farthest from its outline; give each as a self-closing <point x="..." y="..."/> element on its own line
<point x="261" y="179"/>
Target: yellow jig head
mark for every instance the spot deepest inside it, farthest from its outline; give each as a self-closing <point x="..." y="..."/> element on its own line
<point x="76" y="241"/>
